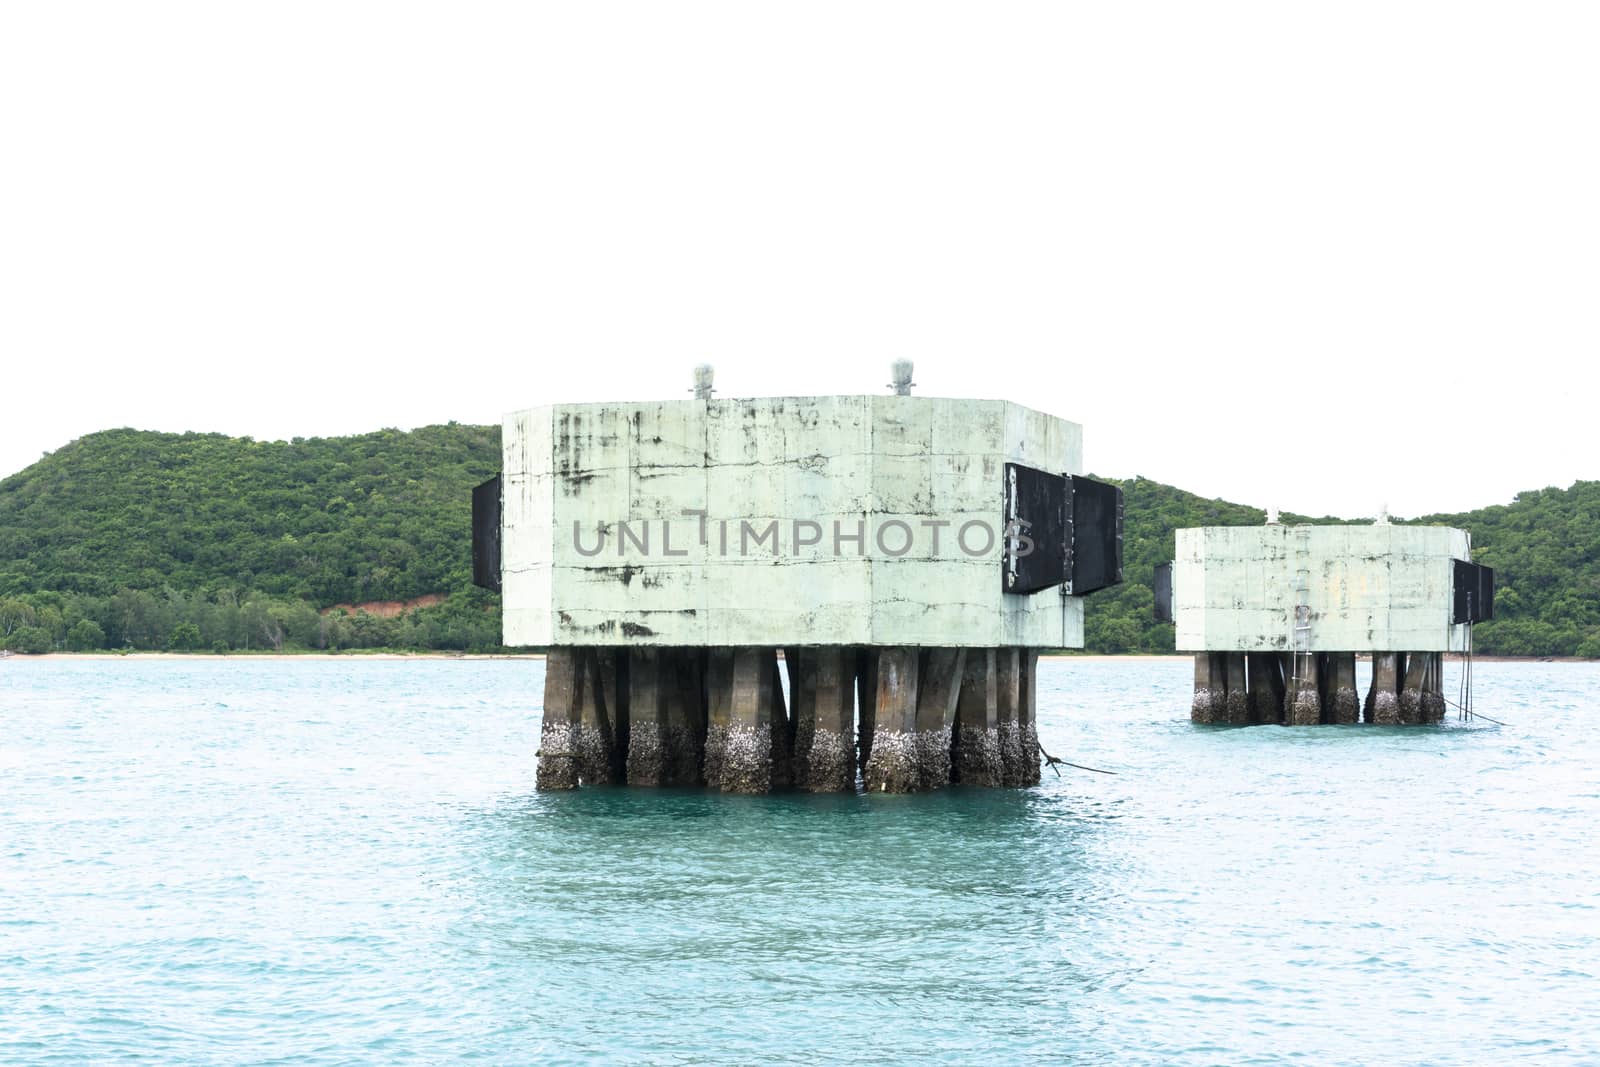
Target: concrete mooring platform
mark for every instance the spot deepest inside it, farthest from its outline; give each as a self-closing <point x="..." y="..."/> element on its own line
<point x="1276" y="616"/>
<point x="793" y="592"/>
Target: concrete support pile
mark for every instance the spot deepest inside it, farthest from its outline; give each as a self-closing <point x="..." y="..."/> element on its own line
<point x="601" y="716"/>
<point x="718" y="718"/>
<point x="891" y="764"/>
<point x="585" y="715"/>
<point x="830" y="756"/>
<point x="1421" y="688"/>
<point x="801" y="666"/>
<point x="719" y="713"/>
<point x="1308" y="688"/>
<point x="1008" y="691"/>
<point x="666" y="719"/>
<point x="1236" y="701"/>
<point x="686" y="714"/>
<point x="1265" y="698"/>
<point x="1411" y="679"/>
<point x="975" y="748"/>
<point x="1028" y="714"/>
<point x="914" y="713"/>
<point x="1208" y="681"/>
<point x="1383" y="698"/>
<point x="938" y="689"/>
<point x="1221" y="688"/>
<point x="1433" y="702"/>
<point x="558" y="735"/>
<point x="1341" y="705"/>
<point x="867" y="701"/>
<point x="756" y="753"/>
<point x="1303" y="705"/>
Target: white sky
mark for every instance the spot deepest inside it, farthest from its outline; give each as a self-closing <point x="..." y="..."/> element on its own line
<point x="1323" y="256"/>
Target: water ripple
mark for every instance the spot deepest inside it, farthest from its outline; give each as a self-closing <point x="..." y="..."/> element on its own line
<point x="345" y="862"/>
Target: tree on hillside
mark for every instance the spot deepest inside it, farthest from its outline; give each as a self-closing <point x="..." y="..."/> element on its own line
<point x="86" y="636"/>
<point x="185" y="637"/>
<point x="15" y="614"/>
<point x="32" y="640"/>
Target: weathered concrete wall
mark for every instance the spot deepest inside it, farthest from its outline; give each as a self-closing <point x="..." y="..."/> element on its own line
<point x="878" y="467"/>
<point x="1380" y="587"/>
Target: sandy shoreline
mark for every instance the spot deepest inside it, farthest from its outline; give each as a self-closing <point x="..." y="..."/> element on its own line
<point x="1087" y="657"/>
<point x="403" y="656"/>
<point x="257" y="657"/>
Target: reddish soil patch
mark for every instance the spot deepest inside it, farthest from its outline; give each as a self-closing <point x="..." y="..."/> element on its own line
<point x="389" y="609"/>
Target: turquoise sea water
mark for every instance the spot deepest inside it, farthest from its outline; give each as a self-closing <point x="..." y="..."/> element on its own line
<point x="345" y="862"/>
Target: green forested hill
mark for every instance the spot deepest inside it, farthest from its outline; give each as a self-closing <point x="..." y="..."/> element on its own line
<point x="1544" y="547"/>
<point x="140" y="533"/>
<point x="374" y="517"/>
<point x="1545" y="550"/>
<point x="150" y="540"/>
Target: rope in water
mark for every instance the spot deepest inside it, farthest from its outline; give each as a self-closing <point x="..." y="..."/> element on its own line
<point x="1474" y="714"/>
<point x="1052" y="761"/>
